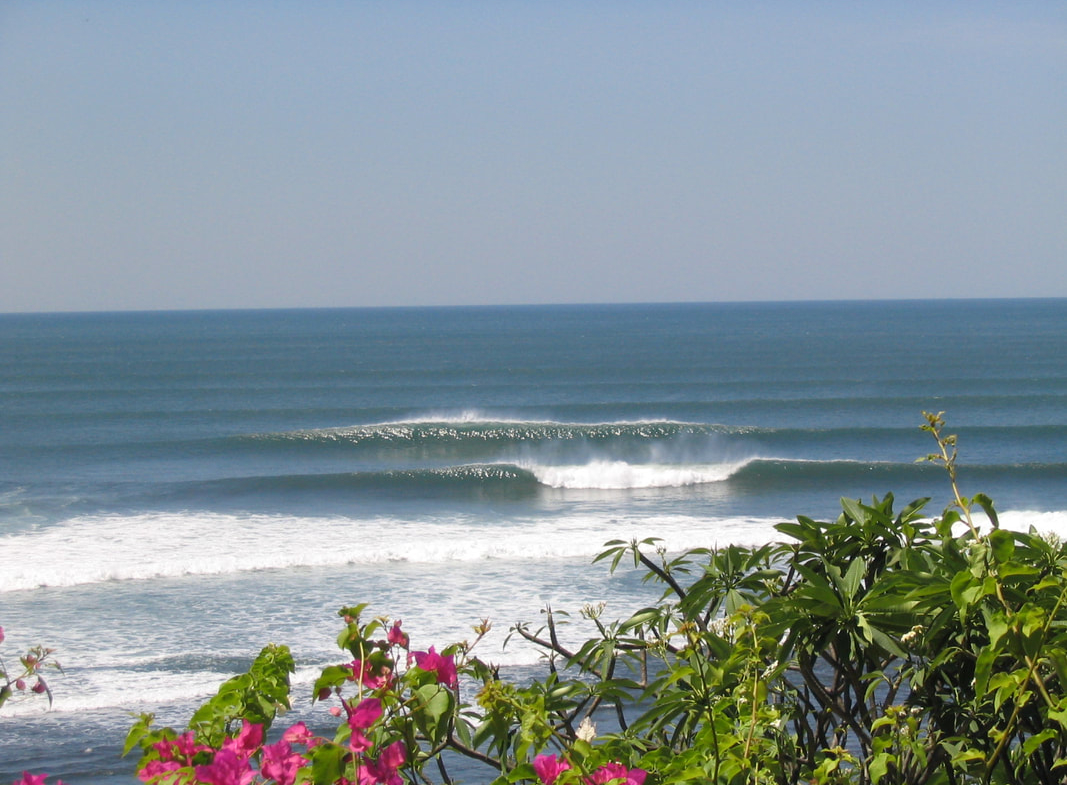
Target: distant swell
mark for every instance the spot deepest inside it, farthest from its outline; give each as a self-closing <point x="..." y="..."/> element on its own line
<point x="504" y="479"/>
<point x="451" y="434"/>
<point x="511" y="480"/>
<point x="411" y="481"/>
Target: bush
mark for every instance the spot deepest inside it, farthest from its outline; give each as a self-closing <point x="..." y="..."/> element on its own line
<point x="882" y="647"/>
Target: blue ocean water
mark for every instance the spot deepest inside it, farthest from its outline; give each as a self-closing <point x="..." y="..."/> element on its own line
<point x="178" y="489"/>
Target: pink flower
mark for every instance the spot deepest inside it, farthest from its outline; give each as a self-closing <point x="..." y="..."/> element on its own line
<point x="280" y="763"/>
<point x="443" y="665"/>
<point x="611" y="772"/>
<point x="32" y="779"/>
<point x="228" y="768"/>
<point x="357" y="742"/>
<point x="363" y="672"/>
<point x="394" y="755"/>
<point x="187" y="747"/>
<point x="2" y="640"/>
<point x="40" y="687"/>
<point x="182" y="748"/>
<point x="298" y="734"/>
<point x="549" y="767"/>
<point x="384" y="770"/>
<point x="365" y="714"/>
<point x="376" y="774"/>
<point x="247" y="741"/>
<point x="396" y="636"/>
<point x="156" y="768"/>
<point x="165" y="749"/>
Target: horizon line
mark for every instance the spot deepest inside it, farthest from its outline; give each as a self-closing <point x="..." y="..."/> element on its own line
<point x="498" y="306"/>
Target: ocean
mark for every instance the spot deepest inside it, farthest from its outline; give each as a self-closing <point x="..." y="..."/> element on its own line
<point x="179" y="489"/>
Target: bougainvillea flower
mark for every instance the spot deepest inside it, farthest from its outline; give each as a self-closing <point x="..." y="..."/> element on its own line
<point x="298" y="734"/>
<point x="616" y="772"/>
<point x="186" y="745"/>
<point x="393" y="756"/>
<point x="365" y="714"/>
<point x="165" y="749"/>
<point x="364" y="673"/>
<point x="30" y="779"/>
<point x="155" y="768"/>
<point x="182" y="748"/>
<point x="375" y="773"/>
<point x="443" y="665"/>
<point x="280" y="763"/>
<point x="549" y="767"/>
<point x="247" y="741"/>
<point x="357" y="742"/>
<point x="397" y="637"/>
<point x="228" y="768"/>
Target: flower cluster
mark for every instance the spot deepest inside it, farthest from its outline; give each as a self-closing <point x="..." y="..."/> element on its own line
<point x="369" y="748"/>
<point x="238" y="761"/>
<point x="397" y="709"/>
<point x="245" y="760"/>
<point x="33" y="779"/>
<point x="549" y="768"/>
<point x="444" y="666"/>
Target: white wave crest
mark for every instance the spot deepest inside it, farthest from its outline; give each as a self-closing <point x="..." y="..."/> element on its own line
<point x="620" y="475"/>
<point x="471" y="416"/>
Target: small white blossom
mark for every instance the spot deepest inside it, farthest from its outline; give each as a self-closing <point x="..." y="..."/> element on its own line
<point x="908" y="638"/>
<point x="586" y="730"/>
<point x="722" y="627"/>
<point x="592" y="610"/>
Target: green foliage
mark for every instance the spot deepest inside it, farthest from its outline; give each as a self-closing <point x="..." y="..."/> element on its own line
<point x="881" y="647"/>
<point x="256" y="696"/>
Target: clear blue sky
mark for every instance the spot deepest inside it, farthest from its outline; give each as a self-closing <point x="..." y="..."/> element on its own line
<point x="162" y="155"/>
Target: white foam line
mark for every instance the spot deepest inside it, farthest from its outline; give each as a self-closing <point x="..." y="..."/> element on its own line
<point x="620" y="475"/>
<point x="95" y="549"/>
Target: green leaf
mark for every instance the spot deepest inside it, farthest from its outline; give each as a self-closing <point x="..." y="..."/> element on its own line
<point x="327" y="763"/>
<point x="1031" y="745"/>
<point x="643" y="616"/>
<point x="879" y="766"/>
<point x="853" y="578"/>
<point x="854" y="509"/>
<point x="138" y="731"/>
<point x="433" y="710"/>
<point x="982" y="669"/>
<point x="1003" y="545"/>
<point x="986" y="504"/>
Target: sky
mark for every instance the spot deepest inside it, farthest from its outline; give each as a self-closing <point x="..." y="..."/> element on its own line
<point x="163" y="155"/>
